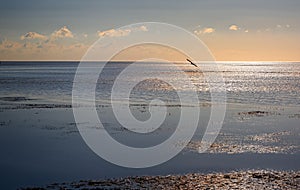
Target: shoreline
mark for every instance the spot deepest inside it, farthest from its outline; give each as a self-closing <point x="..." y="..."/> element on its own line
<point x="245" y="179"/>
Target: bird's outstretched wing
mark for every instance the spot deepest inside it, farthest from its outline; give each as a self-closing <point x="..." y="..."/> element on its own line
<point x="192" y="62"/>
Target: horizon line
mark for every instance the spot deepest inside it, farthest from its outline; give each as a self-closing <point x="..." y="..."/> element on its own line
<point x="135" y="60"/>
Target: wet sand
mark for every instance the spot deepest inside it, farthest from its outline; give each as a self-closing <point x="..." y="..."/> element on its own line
<point x="251" y="179"/>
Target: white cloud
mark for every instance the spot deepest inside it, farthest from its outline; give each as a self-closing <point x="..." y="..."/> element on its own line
<point x="38" y="46"/>
<point x="33" y="35"/>
<point x="205" y="31"/>
<point x="233" y="27"/>
<point x="282" y="27"/>
<point x="121" y="32"/>
<point x="114" y="33"/>
<point x="208" y="30"/>
<point x="63" y="32"/>
<point x="197" y="32"/>
<point x="143" y="28"/>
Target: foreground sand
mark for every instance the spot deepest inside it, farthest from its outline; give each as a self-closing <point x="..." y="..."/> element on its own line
<point x="252" y="179"/>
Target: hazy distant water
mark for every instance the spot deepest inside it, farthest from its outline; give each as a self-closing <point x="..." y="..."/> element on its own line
<point x="254" y="83"/>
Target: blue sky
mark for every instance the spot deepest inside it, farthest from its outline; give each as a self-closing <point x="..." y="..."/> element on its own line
<point x="279" y="18"/>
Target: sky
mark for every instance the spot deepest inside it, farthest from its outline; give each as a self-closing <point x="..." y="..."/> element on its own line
<point x="234" y="30"/>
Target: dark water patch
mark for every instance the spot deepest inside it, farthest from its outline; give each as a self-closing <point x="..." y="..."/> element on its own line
<point x="15" y="99"/>
<point x="258" y="113"/>
<point x="34" y="106"/>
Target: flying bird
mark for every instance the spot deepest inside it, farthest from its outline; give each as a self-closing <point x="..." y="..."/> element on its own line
<point x="192" y="62"/>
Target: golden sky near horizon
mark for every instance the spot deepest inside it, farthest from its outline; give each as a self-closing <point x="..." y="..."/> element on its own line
<point x="224" y="47"/>
<point x="233" y="31"/>
<point x="233" y="45"/>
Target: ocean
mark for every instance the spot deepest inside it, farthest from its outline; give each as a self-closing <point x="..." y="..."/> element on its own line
<point x="266" y="83"/>
<point x="40" y="143"/>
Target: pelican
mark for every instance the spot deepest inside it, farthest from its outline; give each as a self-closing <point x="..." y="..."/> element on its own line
<point x="192" y="62"/>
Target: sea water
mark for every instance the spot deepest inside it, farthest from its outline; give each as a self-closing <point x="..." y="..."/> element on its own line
<point x="40" y="143"/>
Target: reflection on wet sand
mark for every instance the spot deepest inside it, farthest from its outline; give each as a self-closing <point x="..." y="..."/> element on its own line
<point x="259" y="144"/>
